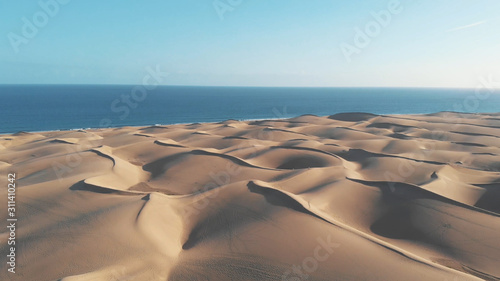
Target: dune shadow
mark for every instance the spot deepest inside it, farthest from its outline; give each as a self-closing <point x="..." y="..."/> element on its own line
<point x="278" y="198"/>
<point x="352" y="116"/>
<point x="81" y="185"/>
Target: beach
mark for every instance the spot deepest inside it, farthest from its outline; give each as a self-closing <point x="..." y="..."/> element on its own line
<point x="351" y="196"/>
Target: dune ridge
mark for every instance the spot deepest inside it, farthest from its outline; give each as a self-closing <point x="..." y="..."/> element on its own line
<point x="396" y="197"/>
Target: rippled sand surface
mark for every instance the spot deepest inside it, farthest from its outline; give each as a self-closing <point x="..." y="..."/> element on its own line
<point x="347" y="197"/>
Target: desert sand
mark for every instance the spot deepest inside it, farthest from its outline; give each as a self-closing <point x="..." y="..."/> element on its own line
<point x="352" y="196"/>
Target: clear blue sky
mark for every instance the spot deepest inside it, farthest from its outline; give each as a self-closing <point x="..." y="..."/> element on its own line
<point x="430" y="43"/>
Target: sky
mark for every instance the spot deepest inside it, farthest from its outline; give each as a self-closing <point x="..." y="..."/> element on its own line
<point x="283" y="43"/>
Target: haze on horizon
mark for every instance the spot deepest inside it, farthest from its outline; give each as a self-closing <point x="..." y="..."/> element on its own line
<point x="404" y="43"/>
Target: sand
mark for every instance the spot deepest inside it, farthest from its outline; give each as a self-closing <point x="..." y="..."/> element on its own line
<point x="346" y="197"/>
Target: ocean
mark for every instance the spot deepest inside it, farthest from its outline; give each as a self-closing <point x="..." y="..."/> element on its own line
<point x="63" y="107"/>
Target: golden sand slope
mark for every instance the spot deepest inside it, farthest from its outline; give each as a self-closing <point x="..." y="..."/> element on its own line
<point x="346" y="197"/>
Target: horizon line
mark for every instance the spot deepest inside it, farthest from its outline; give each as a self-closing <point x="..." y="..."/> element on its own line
<point x="236" y="86"/>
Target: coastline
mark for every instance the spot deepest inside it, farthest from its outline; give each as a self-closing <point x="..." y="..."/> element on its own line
<point x="248" y="120"/>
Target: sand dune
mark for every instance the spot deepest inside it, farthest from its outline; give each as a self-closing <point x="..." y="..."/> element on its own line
<point x="352" y="196"/>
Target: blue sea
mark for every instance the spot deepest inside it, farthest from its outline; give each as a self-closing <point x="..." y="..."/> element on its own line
<point x="63" y="107"/>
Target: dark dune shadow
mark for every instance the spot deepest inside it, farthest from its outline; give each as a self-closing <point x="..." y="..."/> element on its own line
<point x="168" y="144"/>
<point x="397" y="128"/>
<point x="396" y="224"/>
<point x="277" y="198"/>
<point x="81" y="185"/>
<point x="302" y="162"/>
<point x="491" y="198"/>
<point x="470" y="144"/>
<point x="352" y="116"/>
